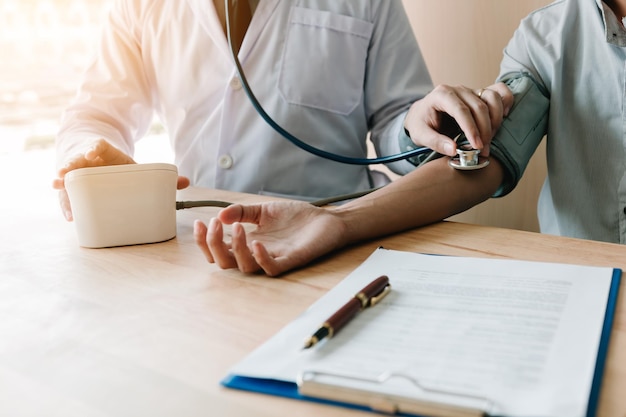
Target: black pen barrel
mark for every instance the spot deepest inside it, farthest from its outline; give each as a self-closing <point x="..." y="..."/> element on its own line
<point x="321" y="333"/>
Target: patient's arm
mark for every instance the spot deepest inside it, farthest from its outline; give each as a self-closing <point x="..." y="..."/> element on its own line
<point x="291" y="234"/>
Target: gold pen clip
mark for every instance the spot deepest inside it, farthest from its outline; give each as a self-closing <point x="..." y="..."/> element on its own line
<point x="376" y="299"/>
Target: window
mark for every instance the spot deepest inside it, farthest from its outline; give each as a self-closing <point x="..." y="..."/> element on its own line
<point x="44" y="47"/>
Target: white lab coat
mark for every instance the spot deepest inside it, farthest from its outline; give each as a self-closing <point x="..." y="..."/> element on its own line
<point x="329" y="72"/>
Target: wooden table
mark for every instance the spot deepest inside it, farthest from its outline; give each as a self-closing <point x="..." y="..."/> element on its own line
<point x="150" y="330"/>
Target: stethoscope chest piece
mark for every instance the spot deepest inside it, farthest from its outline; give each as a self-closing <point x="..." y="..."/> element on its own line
<point x="468" y="158"/>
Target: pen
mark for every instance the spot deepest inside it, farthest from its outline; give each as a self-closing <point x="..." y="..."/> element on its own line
<point x="367" y="297"/>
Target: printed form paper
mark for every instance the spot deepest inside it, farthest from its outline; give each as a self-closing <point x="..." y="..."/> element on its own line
<point x="522" y="337"/>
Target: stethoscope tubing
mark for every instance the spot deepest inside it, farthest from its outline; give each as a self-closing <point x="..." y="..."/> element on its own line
<point x="293" y="139"/>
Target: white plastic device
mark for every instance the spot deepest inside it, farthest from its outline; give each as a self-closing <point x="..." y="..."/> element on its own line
<point x="121" y="205"/>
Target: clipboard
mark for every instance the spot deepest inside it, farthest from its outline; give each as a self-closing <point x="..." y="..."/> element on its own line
<point x="311" y="388"/>
<point x="322" y="386"/>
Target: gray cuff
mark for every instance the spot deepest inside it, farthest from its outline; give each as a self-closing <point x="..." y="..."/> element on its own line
<point x="522" y="130"/>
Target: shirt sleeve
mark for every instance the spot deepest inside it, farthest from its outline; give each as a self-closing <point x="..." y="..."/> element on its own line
<point x="396" y="77"/>
<point x="517" y="54"/>
<point x="114" y="100"/>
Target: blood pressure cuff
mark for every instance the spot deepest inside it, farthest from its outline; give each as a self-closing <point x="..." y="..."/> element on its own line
<point x="522" y="130"/>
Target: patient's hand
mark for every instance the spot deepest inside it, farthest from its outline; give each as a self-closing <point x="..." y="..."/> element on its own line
<point x="288" y="235"/>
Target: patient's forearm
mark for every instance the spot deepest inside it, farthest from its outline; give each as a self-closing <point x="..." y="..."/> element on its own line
<point x="431" y="193"/>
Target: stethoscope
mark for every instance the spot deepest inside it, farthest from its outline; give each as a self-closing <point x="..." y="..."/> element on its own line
<point x="466" y="158"/>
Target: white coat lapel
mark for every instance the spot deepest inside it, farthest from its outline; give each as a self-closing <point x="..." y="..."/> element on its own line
<point x="205" y="12"/>
<point x="206" y="15"/>
<point x="259" y="20"/>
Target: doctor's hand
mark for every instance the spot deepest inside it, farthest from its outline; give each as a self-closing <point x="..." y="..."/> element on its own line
<point x="433" y="120"/>
<point x="287" y="235"/>
<point x="100" y="153"/>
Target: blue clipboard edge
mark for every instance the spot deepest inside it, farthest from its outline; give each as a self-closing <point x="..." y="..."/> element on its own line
<point x="281" y="389"/>
<point x="290" y="389"/>
<point x="603" y="348"/>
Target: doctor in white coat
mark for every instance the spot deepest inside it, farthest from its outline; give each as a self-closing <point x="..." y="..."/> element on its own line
<point x="332" y="73"/>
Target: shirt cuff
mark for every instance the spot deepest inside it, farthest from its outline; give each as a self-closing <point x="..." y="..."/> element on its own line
<point x="406" y="145"/>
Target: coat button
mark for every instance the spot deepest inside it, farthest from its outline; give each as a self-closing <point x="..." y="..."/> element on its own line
<point x="225" y="161"/>
<point x="235" y="83"/>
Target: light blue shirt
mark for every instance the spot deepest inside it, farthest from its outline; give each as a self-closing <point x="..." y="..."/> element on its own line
<point x="575" y="48"/>
<point x="329" y="72"/>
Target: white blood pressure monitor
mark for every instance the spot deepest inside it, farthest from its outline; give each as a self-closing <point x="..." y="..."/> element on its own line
<point x="122" y="205"/>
